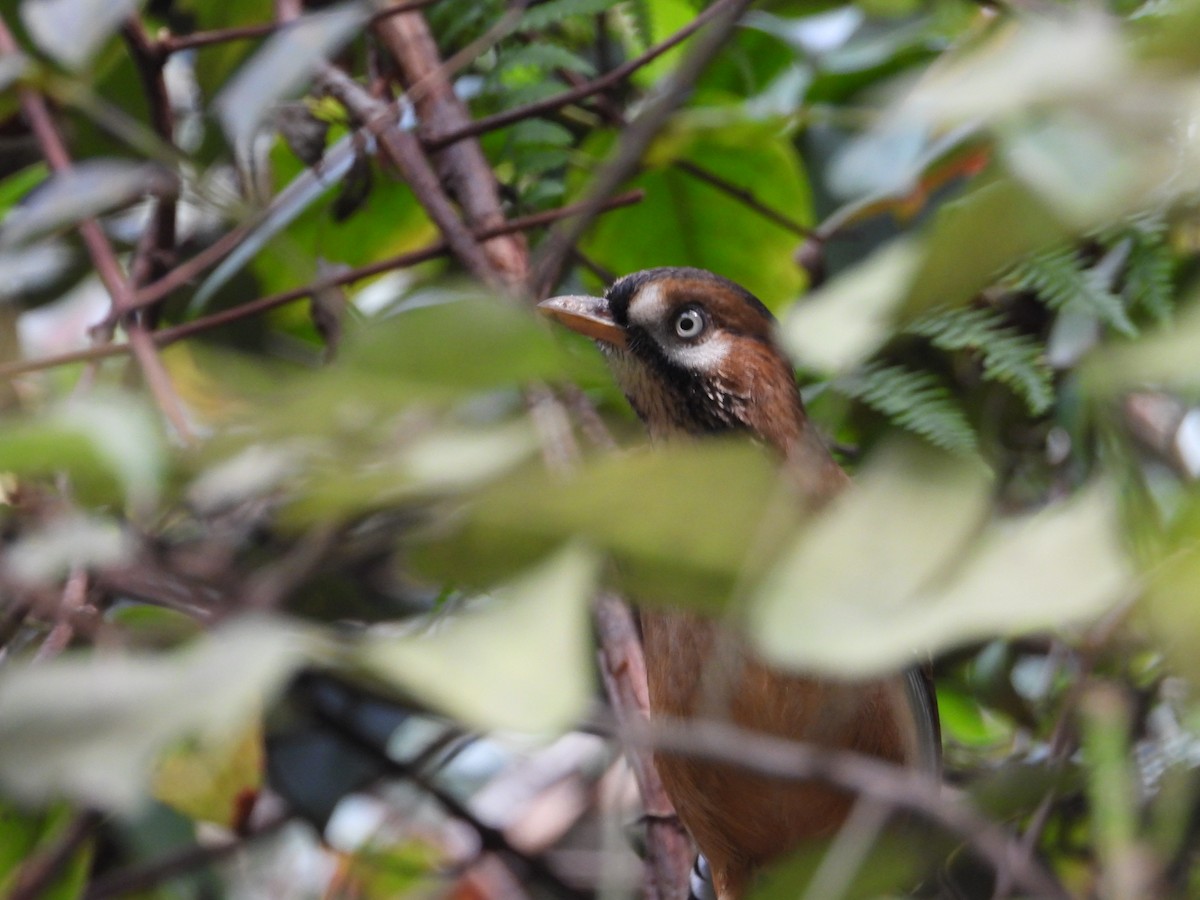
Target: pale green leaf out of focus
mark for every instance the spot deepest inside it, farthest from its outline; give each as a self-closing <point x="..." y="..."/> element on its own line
<point x="940" y="574"/>
<point x="518" y="659"/>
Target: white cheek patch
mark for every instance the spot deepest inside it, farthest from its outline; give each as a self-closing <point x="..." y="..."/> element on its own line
<point x="706" y="356"/>
<point x="648" y="306"/>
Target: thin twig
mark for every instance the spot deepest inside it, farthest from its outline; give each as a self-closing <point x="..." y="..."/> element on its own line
<point x="166" y="336"/>
<point x="743" y="196"/>
<point x="598" y="85"/>
<point x="74" y="598"/>
<point x="623" y="668"/>
<point x="183" y="862"/>
<point x="404" y="151"/>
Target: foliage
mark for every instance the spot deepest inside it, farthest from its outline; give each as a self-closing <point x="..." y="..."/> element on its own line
<point x="296" y="492"/>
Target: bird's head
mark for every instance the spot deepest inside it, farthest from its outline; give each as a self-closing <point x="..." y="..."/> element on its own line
<point x="694" y="353"/>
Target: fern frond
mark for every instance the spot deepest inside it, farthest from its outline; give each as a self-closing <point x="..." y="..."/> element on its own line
<point x="1009" y="357"/>
<point x="1150" y="274"/>
<point x="1058" y="277"/>
<point x="553" y="11"/>
<point x="543" y="58"/>
<point x="915" y="400"/>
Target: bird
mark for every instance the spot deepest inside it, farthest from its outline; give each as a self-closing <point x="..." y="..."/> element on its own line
<point x="698" y="355"/>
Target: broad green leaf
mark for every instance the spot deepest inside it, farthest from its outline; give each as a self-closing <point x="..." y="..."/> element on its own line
<point x="87" y="189"/>
<point x="89" y="727"/>
<point x="50" y="552"/>
<point x="1028" y="62"/>
<point x="842" y="323"/>
<point x="470" y="343"/>
<point x="104" y="442"/>
<point x="518" y="659"/>
<point x="72" y="31"/>
<point x="684" y="523"/>
<point x="935" y="579"/>
<point x="686" y="221"/>
<point x="973" y="239"/>
<point x="444" y="460"/>
<point x="1164" y="357"/>
<point x="285" y="63"/>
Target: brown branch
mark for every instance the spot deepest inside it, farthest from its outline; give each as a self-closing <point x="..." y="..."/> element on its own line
<point x="406" y="154"/>
<point x="668" y="850"/>
<point x="901" y="788"/>
<point x="462" y="167"/>
<point x="37" y="873"/>
<point x="166" y="336"/>
<point x="72" y="602"/>
<point x="598" y="85"/>
<point x="556" y="249"/>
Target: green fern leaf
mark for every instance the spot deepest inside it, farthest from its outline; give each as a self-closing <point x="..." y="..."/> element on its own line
<point x="1060" y="280"/>
<point x="549" y="13"/>
<point x="915" y="400"/>
<point x="1150" y="274"/>
<point x="1009" y="357"/>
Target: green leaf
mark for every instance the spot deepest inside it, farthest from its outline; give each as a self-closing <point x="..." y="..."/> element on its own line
<point x="917" y="400"/>
<point x="282" y="67"/>
<point x="518" y="659"/>
<point x="843" y="322"/>
<point x="72" y="31"/>
<point x="105" y="443"/>
<point x="685" y="221"/>
<point x="89" y="727"/>
<point x="85" y="190"/>
<point x="974" y="239"/>
<point x="936" y="579"/>
<point x="673" y="542"/>
<point x="1009" y="357"/>
<point x="1059" y="277"/>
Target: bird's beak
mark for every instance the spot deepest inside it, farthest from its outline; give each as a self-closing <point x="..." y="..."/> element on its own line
<point x="590" y="316"/>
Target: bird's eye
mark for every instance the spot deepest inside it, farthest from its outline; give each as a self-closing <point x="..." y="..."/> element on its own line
<point x="689" y="324"/>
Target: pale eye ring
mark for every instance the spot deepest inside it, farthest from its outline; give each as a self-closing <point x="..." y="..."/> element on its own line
<point x="690" y="323"/>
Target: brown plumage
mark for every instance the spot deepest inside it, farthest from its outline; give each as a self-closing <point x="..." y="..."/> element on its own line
<point x="697" y="355"/>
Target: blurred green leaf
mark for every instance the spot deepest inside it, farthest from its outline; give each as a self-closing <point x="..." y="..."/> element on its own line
<point x="683" y="522"/>
<point x="72" y="31"/>
<point x="86" y="189"/>
<point x="842" y="323"/>
<point x="287" y="60"/>
<point x="47" y="554"/>
<point x="973" y="239"/>
<point x="106" y="443"/>
<point x="89" y="727"/>
<point x="937" y="579"/>
<point x="517" y="659"/>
